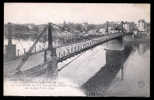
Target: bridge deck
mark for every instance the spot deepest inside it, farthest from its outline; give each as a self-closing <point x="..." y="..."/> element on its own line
<point x="63" y="53"/>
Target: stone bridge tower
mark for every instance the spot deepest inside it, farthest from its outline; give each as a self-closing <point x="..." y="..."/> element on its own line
<point x="10" y="48"/>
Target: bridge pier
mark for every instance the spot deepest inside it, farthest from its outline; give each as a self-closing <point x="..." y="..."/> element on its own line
<point x="114" y="47"/>
<point x="52" y="67"/>
<point x="115" y="59"/>
<point x="10" y="48"/>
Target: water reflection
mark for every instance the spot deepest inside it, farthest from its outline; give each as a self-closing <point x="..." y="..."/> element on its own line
<point x="142" y="48"/>
<point x="115" y="60"/>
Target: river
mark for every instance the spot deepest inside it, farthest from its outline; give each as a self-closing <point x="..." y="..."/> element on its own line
<point x="136" y="74"/>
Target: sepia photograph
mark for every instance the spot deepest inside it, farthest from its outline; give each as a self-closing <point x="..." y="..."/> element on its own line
<point x="76" y="49"/>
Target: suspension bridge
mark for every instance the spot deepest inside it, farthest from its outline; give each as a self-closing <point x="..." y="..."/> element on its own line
<point x="51" y="56"/>
<point x="65" y="52"/>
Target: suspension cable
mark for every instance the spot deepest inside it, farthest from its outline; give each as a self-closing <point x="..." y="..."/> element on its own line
<point x="25" y="58"/>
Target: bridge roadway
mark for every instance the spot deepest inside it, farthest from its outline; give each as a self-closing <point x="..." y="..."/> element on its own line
<point x="63" y="53"/>
<point x="84" y="46"/>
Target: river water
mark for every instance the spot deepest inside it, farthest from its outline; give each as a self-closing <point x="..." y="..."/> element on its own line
<point x="136" y="74"/>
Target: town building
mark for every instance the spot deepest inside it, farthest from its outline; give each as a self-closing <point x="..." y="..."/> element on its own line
<point x="129" y="26"/>
<point x="141" y="25"/>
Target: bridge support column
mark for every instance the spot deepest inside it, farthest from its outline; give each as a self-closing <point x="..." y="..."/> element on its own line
<point x="52" y="65"/>
<point x="114" y="49"/>
<point x="52" y="72"/>
<point x="115" y="60"/>
<point x="10" y="48"/>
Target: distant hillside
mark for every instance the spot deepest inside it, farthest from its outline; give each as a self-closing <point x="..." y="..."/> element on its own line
<point x="23" y="31"/>
<point x="61" y="31"/>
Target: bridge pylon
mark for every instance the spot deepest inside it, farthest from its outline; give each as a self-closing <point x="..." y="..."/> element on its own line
<point x="53" y="60"/>
<point x="10" y="48"/>
<point x="114" y="47"/>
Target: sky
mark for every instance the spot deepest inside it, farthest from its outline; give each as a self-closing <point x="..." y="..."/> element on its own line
<point x="42" y="13"/>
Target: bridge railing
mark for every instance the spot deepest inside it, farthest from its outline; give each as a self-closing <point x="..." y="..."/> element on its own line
<point x="66" y="52"/>
<point x="71" y="50"/>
